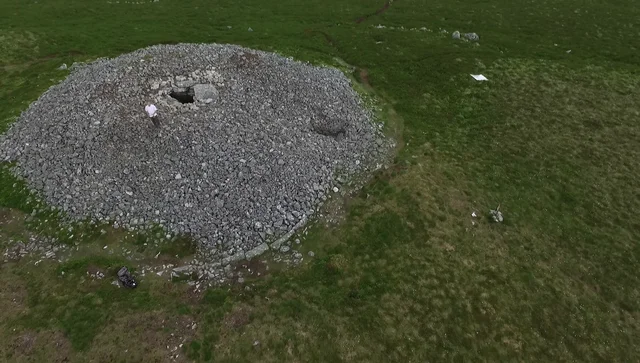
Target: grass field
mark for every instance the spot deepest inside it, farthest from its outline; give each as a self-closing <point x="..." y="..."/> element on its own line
<point x="407" y="275"/>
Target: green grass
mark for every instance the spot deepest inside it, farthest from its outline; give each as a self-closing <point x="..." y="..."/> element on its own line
<point x="408" y="275"/>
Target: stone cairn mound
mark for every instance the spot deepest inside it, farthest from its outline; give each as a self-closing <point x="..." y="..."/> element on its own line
<point x="249" y="144"/>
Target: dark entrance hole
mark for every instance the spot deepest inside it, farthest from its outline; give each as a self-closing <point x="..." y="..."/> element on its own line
<point x="183" y="96"/>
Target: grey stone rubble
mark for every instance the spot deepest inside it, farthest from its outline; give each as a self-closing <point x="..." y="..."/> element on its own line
<point x="42" y="247"/>
<point x="467" y="36"/>
<point x="401" y="28"/>
<point x="241" y="167"/>
<point x="472" y="37"/>
<point x="98" y="275"/>
<point x="496" y="215"/>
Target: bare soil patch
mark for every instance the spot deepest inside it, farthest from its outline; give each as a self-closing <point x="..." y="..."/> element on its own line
<point x="158" y="338"/>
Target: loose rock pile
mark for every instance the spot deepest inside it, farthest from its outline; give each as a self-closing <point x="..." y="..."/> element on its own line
<point x="473" y="37"/>
<point x="45" y="248"/>
<point x="263" y="142"/>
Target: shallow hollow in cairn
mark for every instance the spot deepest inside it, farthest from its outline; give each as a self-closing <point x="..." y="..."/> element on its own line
<point x="246" y="148"/>
<point x="183" y="96"/>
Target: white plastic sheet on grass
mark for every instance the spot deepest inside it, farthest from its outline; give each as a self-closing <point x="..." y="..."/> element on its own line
<point x="479" y="77"/>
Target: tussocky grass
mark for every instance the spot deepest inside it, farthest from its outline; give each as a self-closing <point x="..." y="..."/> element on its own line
<point x="408" y="275"/>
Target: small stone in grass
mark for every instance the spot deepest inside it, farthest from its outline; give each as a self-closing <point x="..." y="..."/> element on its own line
<point x="496" y="215"/>
<point x="472" y="37"/>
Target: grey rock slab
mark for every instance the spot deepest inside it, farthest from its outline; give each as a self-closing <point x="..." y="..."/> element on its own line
<point x="184" y="269"/>
<point x="203" y="92"/>
<point x="184" y="84"/>
<point x="233" y="258"/>
<point x="257" y="251"/>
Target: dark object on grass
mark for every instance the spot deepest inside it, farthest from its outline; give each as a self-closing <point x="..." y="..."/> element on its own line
<point x="125" y="278"/>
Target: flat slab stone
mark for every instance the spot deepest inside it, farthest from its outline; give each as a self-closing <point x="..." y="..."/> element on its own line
<point x="257" y="251"/>
<point x="204" y="92"/>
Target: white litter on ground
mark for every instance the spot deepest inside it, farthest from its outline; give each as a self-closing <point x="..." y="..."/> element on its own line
<point x="479" y="77"/>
